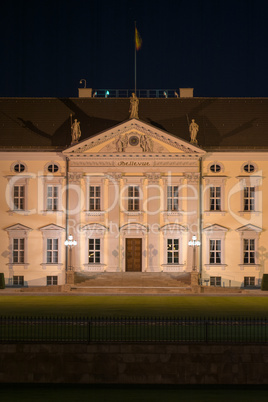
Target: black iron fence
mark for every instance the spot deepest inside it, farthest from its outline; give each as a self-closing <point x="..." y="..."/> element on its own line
<point x="100" y="329"/>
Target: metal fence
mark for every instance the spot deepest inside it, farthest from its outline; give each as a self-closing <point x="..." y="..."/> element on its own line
<point x="101" y="329"/>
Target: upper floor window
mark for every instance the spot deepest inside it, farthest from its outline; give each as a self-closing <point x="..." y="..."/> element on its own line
<point x="215" y="198"/>
<point x="172" y="198"/>
<point x="173" y="251"/>
<point x="53" y="168"/>
<point x="18" y="251"/>
<point x="94" y="198"/>
<point x="249" y="168"/>
<point x="249" y="251"/>
<point x="19" y="197"/>
<point x="19" y="167"/>
<point x="52" y="198"/>
<point x="249" y="198"/>
<point x="215" y="168"/>
<point x="133" y="198"/>
<point x="215" y="251"/>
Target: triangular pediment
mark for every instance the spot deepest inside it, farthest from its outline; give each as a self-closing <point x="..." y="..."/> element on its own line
<point x="134" y="137"/>
<point x="18" y="226"/>
<point x="52" y="226"/>
<point x="215" y="228"/>
<point x="249" y="228"/>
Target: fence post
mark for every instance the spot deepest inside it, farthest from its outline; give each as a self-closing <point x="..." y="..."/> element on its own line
<point x="88" y="331"/>
<point x="206" y="331"/>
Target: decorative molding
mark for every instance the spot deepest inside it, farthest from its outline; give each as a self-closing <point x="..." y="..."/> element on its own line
<point x="75" y="177"/>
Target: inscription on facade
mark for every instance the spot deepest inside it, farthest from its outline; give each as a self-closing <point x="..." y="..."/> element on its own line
<point x="133" y="163"/>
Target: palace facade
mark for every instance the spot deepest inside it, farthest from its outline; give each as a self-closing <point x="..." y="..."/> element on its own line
<point x="134" y="191"/>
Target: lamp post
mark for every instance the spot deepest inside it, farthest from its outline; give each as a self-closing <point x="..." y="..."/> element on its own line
<point x="70" y="243"/>
<point x="194" y="243"/>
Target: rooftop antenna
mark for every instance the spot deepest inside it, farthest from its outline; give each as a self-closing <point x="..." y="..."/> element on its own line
<point x="81" y="82"/>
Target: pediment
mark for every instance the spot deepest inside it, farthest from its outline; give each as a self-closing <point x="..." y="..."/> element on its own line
<point x="134" y="137"/>
<point x="172" y="228"/>
<point x="215" y="228"/>
<point x="17" y="227"/>
<point x="249" y="228"/>
<point x="94" y="227"/>
<point x="52" y="226"/>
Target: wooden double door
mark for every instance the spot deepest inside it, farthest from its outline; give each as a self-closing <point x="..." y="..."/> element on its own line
<point x="133" y="255"/>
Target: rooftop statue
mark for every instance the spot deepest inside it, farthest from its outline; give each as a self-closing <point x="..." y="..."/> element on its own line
<point x="76" y="131"/>
<point x="193" y="129"/>
<point x="134" y="105"/>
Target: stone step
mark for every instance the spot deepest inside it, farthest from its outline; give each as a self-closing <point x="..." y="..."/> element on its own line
<point x="118" y="279"/>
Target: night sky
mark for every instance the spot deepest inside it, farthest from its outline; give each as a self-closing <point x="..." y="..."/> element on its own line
<point x="220" y="48"/>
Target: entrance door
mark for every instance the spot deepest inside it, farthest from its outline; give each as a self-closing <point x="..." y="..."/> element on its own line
<point x="133" y="255"/>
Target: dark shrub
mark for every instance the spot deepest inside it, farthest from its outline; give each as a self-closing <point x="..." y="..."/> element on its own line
<point x="264" y="282"/>
<point x="2" y="281"/>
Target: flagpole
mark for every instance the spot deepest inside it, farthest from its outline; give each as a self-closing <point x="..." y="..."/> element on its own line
<point x="135" y="51"/>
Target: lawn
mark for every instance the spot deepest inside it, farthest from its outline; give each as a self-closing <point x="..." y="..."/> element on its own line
<point x="141" y="306"/>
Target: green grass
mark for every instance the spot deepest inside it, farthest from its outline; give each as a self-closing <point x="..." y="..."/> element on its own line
<point x="118" y="306"/>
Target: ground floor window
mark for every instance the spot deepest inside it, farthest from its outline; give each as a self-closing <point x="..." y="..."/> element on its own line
<point x="52" y="251"/>
<point x="249" y="281"/>
<point x="215" y="281"/>
<point x="52" y="280"/>
<point x="94" y="251"/>
<point x="18" y="280"/>
<point x="173" y="251"/>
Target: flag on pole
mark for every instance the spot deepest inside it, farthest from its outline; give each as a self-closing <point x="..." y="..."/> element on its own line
<point x="138" y="40"/>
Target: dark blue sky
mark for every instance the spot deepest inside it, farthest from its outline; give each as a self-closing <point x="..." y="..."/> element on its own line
<point x="217" y="47"/>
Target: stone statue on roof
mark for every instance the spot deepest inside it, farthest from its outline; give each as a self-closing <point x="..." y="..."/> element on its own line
<point x="193" y="129"/>
<point x="134" y="105"/>
<point x="76" y="131"/>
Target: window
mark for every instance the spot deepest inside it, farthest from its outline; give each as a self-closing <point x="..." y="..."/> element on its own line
<point x="19" y="167"/>
<point x="133" y="198"/>
<point x="18" y="251"/>
<point x="18" y="280"/>
<point x="249" y="198"/>
<point x="173" y="251"/>
<point x="249" y="281"/>
<point x="52" y="198"/>
<point x="249" y="168"/>
<point x="52" y="251"/>
<point x="53" y="168"/>
<point x="94" y="251"/>
<point x="215" y="168"/>
<point x="172" y="198"/>
<point x="215" y="199"/>
<point x="214" y="194"/>
<point x="249" y="251"/>
<point x="52" y="280"/>
<point x="52" y="244"/>
<point x="215" y="245"/>
<point x="94" y="198"/>
<point x="19" y="197"/>
<point x="215" y="281"/>
<point x="215" y="251"/>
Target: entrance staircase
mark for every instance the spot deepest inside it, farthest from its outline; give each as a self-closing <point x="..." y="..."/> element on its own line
<point x="132" y="283"/>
